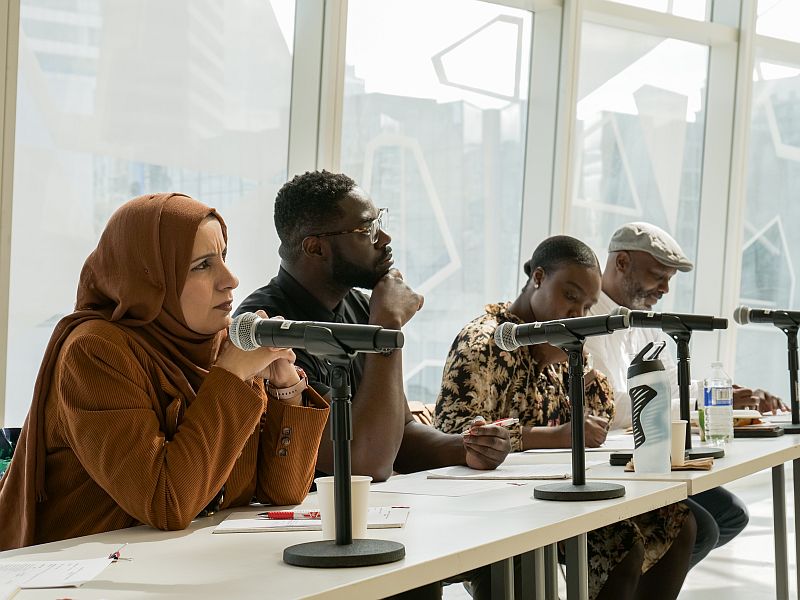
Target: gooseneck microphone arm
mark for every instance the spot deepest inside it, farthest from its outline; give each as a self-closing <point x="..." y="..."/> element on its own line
<point x="679" y="327"/>
<point x="675" y="328"/>
<point x="559" y="332"/>
<point x="338" y="345"/>
<point x="568" y="334"/>
<point x="791" y="343"/>
<point x="789" y="322"/>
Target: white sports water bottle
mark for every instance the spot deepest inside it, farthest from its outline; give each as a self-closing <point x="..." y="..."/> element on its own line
<point x="649" y="389"/>
<point x="718" y="405"/>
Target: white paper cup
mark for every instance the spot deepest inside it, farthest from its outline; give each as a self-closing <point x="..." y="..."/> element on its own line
<point x="678" y="448"/>
<point x="359" y="502"/>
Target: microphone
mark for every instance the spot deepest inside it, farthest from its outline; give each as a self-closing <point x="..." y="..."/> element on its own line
<point x="509" y="336"/>
<point x="745" y="315"/>
<point x="669" y="321"/>
<point x="248" y="331"/>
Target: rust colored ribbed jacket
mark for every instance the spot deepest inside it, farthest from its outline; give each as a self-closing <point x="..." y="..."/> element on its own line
<point x="114" y="461"/>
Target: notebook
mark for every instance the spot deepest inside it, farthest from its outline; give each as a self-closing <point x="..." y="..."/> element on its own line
<point x="378" y="517"/>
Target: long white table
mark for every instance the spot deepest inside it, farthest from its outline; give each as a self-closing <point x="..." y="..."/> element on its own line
<point x="743" y="457"/>
<point x="444" y="536"/>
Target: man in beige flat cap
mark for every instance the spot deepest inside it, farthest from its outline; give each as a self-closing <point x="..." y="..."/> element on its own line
<point x="642" y="259"/>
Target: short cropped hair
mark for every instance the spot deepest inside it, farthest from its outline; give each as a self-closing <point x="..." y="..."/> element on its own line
<point x="305" y="205"/>
<point x="558" y="251"/>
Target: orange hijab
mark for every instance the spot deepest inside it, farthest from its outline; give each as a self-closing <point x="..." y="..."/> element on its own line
<point x="133" y="278"/>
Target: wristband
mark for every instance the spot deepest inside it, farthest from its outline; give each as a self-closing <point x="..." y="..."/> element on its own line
<point x="292" y="390"/>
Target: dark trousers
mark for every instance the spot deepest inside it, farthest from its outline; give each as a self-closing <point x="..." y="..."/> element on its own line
<point x="720" y="517"/>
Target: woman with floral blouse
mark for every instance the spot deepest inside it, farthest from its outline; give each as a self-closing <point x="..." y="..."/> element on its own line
<point x="643" y="557"/>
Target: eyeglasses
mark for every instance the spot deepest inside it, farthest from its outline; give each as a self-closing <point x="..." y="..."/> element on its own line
<point x="371" y="229"/>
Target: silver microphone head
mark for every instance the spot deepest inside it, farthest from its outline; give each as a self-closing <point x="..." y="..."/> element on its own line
<point x="242" y="331"/>
<point x="625" y="313"/>
<point x="742" y="315"/>
<point x="504" y="337"/>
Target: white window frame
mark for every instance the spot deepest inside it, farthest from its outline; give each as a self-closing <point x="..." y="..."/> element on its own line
<point x="549" y="174"/>
<point x="9" y="26"/>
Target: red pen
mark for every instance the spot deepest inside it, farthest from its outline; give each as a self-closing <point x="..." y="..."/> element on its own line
<point x="291" y="515"/>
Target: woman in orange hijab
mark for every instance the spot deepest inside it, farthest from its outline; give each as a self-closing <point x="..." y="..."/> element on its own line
<point x="142" y="411"/>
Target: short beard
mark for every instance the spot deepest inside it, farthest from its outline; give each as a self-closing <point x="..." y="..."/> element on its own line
<point x="350" y="275"/>
<point x="635" y="296"/>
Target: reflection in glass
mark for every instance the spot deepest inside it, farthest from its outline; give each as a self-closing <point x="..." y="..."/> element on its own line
<point x="690" y="9"/>
<point x="770" y="245"/>
<point x="436" y="133"/>
<point x="639" y="141"/>
<point x="117" y="99"/>
<point x="779" y="19"/>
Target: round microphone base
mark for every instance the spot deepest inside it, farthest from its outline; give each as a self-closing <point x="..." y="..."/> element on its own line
<point x="705" y="452"/>
<point x="361" y="553"/>
<point x="790" y="427"/>
<point x="569" y="492"/>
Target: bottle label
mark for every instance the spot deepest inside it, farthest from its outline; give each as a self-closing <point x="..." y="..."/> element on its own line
<point x="718" y="396"/>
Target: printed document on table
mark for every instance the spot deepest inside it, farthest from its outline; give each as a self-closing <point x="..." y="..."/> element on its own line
<point x="615" y="442"/>
<point x="33" y="574"/>
<point x="508" y="472"/>
<point x="378" y="517"/>
<point x="420" y="486"/>
<point x="503" y="472"/>
<point x="8" y="591"/>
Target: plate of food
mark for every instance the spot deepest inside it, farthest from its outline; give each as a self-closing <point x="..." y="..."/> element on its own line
<point x="746" y="423"/>
<point x="741" y="417"/>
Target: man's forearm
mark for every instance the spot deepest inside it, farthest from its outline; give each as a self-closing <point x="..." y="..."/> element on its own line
<point x="378" y="416"/>
<point x="424" y="448"/>
<point x="543" y="437"/>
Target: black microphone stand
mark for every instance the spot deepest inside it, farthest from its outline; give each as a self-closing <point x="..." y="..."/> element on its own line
<point x="678" y="331"/>
<point x="791" y="342"/>
<point x="344" y="551"/>
<point x="578" y="489"/>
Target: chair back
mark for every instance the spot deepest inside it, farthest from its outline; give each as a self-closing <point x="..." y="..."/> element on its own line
<point x="8" y="441"/>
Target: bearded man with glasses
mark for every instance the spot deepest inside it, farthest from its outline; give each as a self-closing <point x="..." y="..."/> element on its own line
<point x="334" y="239"/>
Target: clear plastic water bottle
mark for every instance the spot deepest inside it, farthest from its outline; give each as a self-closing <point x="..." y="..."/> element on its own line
<point x="718" y="405"/>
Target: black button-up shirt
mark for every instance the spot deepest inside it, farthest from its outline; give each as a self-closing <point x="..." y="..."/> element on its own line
<point x="285" y="297"/>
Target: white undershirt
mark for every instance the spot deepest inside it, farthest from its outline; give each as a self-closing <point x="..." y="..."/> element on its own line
<point x="612" y="355"/>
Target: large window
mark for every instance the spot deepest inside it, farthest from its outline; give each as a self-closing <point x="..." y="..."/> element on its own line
<point x="639" y="141"/>
<point x="116" y="99"/>
<point x="690" y="9"/>
<point x="434" y="128"/>
<point x="770" y="244"/>
<point x="779" y="19"/>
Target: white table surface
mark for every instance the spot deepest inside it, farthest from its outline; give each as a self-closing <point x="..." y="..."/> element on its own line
<point x="743" y="457"/>
<point x="444" y="536"/>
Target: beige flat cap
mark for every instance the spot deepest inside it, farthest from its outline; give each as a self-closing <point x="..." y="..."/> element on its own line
<point x="646" y="237"/>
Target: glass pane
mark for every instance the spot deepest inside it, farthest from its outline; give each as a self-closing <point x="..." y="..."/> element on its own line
<point x="770" y="249"/>
<point x="436" y="133"/>
<point x="639" y="141"/>
<point x="117" y="99"/>
<point x="779" y="19"/>
<point x="690" y="9"/>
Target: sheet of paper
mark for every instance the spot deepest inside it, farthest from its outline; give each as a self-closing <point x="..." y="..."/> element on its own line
<point x="435" y="487"/>
<point x="615" y="442"/>
<point x="378" y="517"/>
<point x="510" y="472"/>
<point x="503" y="472"/>
<point x="51" y="573"/>
<point x="8" y="591"/>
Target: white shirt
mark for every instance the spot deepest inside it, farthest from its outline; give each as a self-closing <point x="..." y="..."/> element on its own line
<point x="612" y="355"/>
